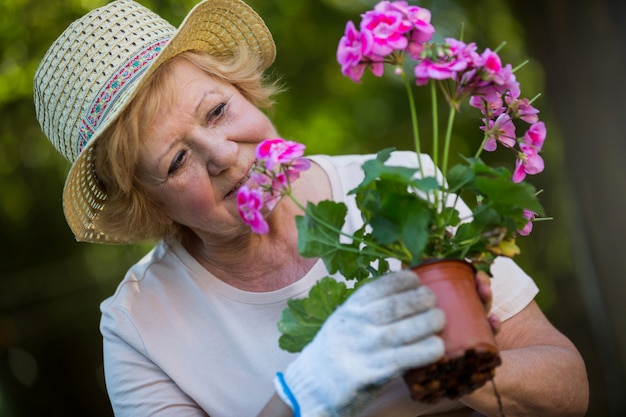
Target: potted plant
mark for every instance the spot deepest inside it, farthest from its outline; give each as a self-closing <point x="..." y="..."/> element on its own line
<point x="411" y="215"/>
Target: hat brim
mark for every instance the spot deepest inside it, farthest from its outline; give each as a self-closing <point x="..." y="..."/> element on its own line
<point x="218" y="27"/>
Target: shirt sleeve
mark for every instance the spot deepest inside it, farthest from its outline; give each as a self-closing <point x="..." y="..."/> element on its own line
<point x="512" y="288"/>
<point x="136" y="386"/>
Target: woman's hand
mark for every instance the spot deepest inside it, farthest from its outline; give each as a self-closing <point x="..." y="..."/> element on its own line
<point x="386" y="327"/>
<point x="483" y="286"/>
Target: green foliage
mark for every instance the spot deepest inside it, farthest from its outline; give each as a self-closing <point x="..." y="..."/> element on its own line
<point x="317" y="239"/>
<point x="303" y="318"/>
<point x="499" y="211"/>
<point x="411" y="227"/>
<point x="405" y="218"/>
<point x="322" y="239"/>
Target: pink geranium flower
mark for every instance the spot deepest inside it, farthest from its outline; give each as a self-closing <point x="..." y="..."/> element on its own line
<point x="463" y="51"/>
<point x="491" y="62"/>
<point x="250" y="205"/>
<point x="493" y="108"/>
<point x="417" y="18"/>
<point x="289" y="173"/>
<point x="279" y="164"/>
<point x="522" y="109"/>
<point x="507" y="80"/>
<point x="528" y="162"/>
<point x="536" y="135"/>
<point x="532" y="161"/>
<point x="495" y="85"/>
<point x="273" y="152"/>
<point x="501" y="130"/>
<point x="350" y="53"/>
<point x="530" y="215"/>
<point x="428" y="70"/>
<point x="385" y="31"/>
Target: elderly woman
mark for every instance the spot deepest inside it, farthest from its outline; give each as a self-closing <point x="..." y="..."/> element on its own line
<point x="161" y="125"/>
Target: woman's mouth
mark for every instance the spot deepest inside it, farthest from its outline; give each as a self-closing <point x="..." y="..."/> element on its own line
<point x="233" y="191"/>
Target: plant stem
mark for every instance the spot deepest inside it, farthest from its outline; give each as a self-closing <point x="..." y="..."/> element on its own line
<point x="433" y="99"/>
<point x="446" y="149"/>
<point x="481" y="147"/>
<point x="435" y="113"/>
<point x="519" y="66"/>
<point x="446" y="146"/>
<point x="416" y="137"/>
<point x="534" y="98"/>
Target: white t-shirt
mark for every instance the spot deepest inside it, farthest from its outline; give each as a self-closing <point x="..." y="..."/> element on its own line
<point x="180" y="342"/>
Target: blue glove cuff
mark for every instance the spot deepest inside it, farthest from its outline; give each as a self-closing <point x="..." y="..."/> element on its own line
<point x="286" y="392"/>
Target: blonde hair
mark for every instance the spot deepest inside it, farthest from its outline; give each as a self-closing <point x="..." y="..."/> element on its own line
<point x="128" y="210"/>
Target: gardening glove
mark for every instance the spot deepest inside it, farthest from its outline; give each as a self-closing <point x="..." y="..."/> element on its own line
<point x="385" y="328"/>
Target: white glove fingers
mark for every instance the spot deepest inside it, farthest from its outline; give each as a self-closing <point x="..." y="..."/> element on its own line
<point x="424" y="352"/>
<point x="398" y="306"/>
<point x="413" y="329"/>
<point x="386" y="285"/>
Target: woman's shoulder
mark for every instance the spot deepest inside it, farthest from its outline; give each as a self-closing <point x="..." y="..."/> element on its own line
<point x="142" y="277"/>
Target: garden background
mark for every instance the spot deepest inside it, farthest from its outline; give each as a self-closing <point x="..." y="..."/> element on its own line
<point x="51" y="286"/>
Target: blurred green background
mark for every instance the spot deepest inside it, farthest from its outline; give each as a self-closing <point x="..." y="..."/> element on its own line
<point x="51" y="286"/>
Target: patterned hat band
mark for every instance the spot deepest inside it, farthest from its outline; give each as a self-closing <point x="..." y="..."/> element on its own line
<point x="128" y="72"/>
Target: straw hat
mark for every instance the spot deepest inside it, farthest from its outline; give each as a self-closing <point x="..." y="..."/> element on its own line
<point x="95" y="68"/>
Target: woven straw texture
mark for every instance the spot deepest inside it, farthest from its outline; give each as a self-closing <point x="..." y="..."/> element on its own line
<point x="95" y="68"/>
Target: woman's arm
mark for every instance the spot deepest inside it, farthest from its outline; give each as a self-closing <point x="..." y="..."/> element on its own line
<point x="276" y="408"/>
<point x="542" y="372"/>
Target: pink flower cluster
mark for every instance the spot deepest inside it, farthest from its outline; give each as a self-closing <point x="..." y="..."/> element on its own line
<point x="390" y="27"/>
<point x="394" y="29"/>
<point x="278" y="163"/>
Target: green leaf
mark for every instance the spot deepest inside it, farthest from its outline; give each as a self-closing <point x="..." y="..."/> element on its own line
<point x="348" y="261"/>
<point x="480" y="168"/>
<point x="385" y="231"/>
<point x="459" y="176"/>
<point x="507" y="193"/>
<point x="425" y="184"/>
<point x="375" y="170"/>
<point x="449" y="217"/>
<point x="318" y="239"/>
<point x="495" y="188"/>
<point x="416" y="220"/>
<point x="302" y="318"/>
<point x="485" y="217"/>
<point x="403" y="220"/>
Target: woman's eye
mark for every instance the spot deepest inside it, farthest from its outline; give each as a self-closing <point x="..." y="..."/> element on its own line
<point x="216" y="112"/>
<point x="177" y="162"/>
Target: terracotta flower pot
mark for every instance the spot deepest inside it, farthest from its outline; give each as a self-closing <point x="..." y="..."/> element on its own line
<point x="471" y="354"/>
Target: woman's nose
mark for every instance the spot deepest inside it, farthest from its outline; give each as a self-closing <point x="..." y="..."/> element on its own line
<point x="219" y="154"/>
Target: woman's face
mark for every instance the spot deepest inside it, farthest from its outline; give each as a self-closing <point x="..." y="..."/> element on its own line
<point x="199" y="149"/>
